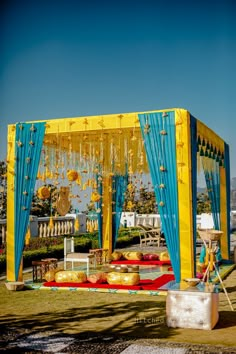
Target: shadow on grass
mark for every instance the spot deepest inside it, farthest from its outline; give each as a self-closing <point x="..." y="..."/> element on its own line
<point x="227" y="319"/>
<point x="138" y="319"/>
<point x="231" y="289"/>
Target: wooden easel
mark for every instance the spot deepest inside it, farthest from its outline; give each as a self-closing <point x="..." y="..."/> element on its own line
<point x="212" y="250"/>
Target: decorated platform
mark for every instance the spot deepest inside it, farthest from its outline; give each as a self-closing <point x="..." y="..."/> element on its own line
<point x="153" y="282"/>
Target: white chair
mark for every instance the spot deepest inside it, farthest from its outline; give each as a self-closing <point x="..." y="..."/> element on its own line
<point x="150" y="236"/>
<point x="71" y="256"/>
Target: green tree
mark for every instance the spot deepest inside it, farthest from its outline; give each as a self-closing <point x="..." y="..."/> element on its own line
<point x="203" y="203"/>
<point x="142" y="201"/>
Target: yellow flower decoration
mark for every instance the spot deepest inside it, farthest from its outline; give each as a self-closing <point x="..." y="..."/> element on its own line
<point x="72" y="175"/>
<point x="43" y="193"/>
<point x="130" y="187"/>
<point x="95" y="197"/>
<point x="129" y="205"/>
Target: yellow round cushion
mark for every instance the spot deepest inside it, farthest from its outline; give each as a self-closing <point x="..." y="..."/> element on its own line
<point x="164" y="256"/>
<point x="133" y="256"/>
<point x="116" y="255"/>
<point x="70" y="276"/>
<point x="123" y="278"/>
<point x="50" y="275"/>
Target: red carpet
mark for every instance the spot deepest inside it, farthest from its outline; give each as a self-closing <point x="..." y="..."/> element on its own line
<point x="142" y="262"/>
<point x="145" y="284"/>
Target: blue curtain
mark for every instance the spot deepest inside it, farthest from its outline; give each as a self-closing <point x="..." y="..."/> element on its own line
<point x="158" y="131"/>
<point x="98" y="206"/>
<point x="119" y="186"/>
<point x="212" y="178"/>
<point x="193" y="132"/>
<point x="29" y="141"/>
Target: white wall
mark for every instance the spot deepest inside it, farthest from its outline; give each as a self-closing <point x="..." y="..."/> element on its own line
<point x="204" y="221"/>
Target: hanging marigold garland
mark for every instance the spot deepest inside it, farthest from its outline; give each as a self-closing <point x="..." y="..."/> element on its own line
<point x="43" y="193"/>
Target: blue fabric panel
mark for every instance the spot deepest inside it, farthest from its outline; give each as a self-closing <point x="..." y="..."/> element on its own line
<point x="119" y="186"/>
<point x="193" y="132"/>
<point x="98" y="205"/>
<point x="213" y="186"/>
<point x="227" y="171"/>
<point x="29" y="141"/>
<point x="202" y="254"/>
<point x="161" y="151"/>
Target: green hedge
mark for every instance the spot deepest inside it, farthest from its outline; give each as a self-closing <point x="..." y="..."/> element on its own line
<point x="83" y="243"/>
<point x="57" y="251"/>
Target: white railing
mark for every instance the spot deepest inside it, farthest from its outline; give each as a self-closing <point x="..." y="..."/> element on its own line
<point x="58" y="227"/>
<point x="204" y="221"/>
<point x="42" y="227"/>
<point x="64" y="225"/>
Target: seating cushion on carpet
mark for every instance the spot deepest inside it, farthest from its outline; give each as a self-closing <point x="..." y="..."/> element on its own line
<point x="142" y="262"/>
<point x="144" y="284"/>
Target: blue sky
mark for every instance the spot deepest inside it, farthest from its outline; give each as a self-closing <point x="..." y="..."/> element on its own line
<point x="74" y="58"/>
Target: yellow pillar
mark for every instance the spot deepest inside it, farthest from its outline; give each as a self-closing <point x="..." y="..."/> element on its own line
<point x="10" y="205"/>
<point x="107" y="214"/>
<point x="223" y="215"/>
<point x="183" y="151"/>
<point x="20" y="275"/>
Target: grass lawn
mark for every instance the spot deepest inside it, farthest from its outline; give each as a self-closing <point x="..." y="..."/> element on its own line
<point x="121" y="315"/>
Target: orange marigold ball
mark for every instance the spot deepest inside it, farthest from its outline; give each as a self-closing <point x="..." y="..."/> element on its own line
<point x="72" y="175"/>
<point x="43" y="193"/>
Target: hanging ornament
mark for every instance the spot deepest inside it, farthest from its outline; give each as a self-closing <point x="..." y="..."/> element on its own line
<point x="33" y="128"/>
<point x="130" y="187"/>
<point x="130" y="205"/>
<point x="51" y="223"/>
<point x="27" y="236"/>
<point x="76" y="224"/>
<point x="72" y="175"/>
<point x="43" y="193"/>
<point x="63" y="202"/>
<point x="19" y="143"/>
<point x="95" y="197"/>
<point x="146" y="128"/>
<point x="163" y="132"/>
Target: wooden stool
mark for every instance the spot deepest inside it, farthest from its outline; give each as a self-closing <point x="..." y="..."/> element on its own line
<point x="39" y="270"/>
<point x="100" y="255"/>
<point x="52" y="262"/>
